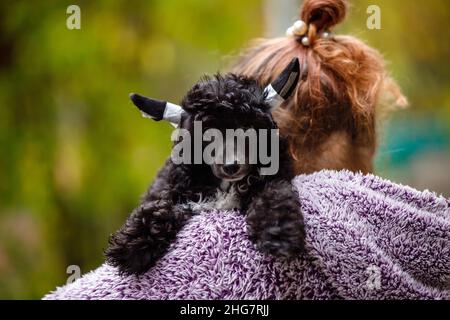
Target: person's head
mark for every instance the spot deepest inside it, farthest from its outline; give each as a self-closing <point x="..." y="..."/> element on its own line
<point x="330" y="120"/>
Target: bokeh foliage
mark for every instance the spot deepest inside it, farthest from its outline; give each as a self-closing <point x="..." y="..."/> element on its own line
<point x="75" y="155"/>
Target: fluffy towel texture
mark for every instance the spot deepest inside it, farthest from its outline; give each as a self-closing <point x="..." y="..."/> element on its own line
<point x="367" y="238"/>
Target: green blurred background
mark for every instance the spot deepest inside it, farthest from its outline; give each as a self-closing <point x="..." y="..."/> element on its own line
<point x="75" y="155"/>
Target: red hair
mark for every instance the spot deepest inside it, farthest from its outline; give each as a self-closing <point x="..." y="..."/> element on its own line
<point x="330" y="121"/>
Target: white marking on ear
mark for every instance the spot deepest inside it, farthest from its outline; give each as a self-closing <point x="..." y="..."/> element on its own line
<point x="146" y="115"/>
<point x="273" y="98"/>
<point x="173" y="113"/>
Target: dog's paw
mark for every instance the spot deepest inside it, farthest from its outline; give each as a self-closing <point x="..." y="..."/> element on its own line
<point x="276" y="227"/>
<point x="142" y="240"/>
<point x="275" y="223"/>
<point x="132" y="254"/>
<point x="283" y="239"/>
<point x="145" y="237"/>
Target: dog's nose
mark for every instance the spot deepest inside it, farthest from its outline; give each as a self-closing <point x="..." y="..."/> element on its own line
<point x="230" y="169"/>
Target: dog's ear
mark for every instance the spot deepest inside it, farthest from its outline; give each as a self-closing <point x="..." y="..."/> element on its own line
<point x="283" y="87"/>
<point x="158" y="110"/>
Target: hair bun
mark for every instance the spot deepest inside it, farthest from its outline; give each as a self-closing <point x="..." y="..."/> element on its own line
<point x="324" y="14"/>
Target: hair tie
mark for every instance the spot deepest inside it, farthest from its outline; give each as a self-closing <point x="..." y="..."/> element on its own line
<point x="306" y="33"/>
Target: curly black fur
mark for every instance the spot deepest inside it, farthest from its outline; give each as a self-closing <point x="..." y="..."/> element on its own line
<point x="271" y="206"/>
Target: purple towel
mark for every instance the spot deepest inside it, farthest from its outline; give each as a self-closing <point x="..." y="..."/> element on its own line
<point x="367" y="238"/>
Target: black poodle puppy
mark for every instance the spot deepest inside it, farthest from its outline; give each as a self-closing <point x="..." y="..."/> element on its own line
<point x="269" y="203"/>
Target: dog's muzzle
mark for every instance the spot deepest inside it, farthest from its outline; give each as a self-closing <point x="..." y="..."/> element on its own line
<point x="231" y="172"/>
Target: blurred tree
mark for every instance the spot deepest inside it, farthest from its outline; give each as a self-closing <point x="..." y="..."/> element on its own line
<point x="75" y="155"/>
